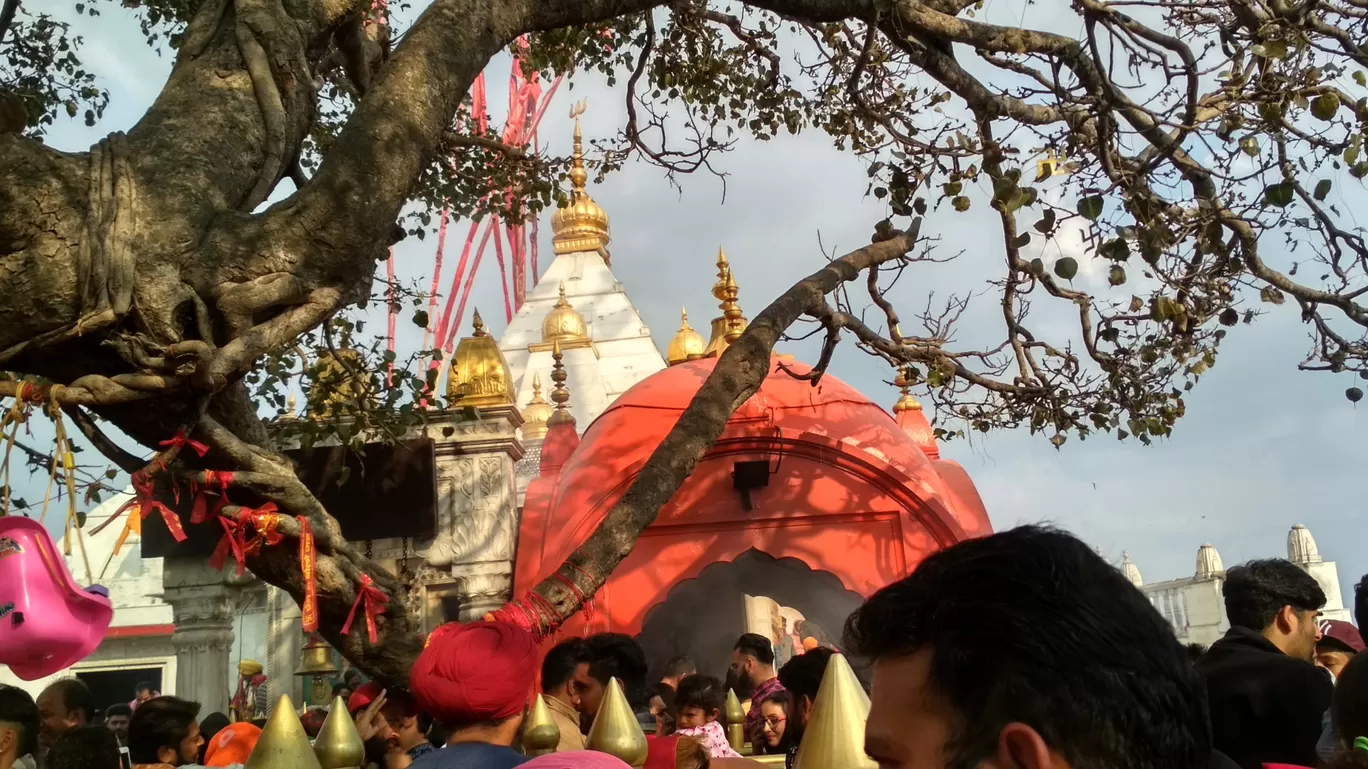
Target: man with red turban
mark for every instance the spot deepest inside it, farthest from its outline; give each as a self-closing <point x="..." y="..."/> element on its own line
<point x="475" y="679"/>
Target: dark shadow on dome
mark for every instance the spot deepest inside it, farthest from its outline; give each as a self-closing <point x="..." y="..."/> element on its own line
<point x="702" y="617"/>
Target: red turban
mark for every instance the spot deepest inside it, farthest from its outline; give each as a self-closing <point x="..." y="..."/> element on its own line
<point x="479" y="671"/>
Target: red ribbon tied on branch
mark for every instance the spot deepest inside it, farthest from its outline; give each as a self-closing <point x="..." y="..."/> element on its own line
<point x="373" y="599"/>
<point x="234" y="541"/>
<point x="308" y="566"/>
<point x="222" y="479"/>
<point x="145" y="504"/>
<point x="179" y="441"/>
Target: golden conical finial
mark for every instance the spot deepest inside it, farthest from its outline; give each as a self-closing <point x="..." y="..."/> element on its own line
<point x="540" y="733"/>
<point x="283" y="743"/>
<point x="536" y="413"/>
<point x="616" y="730"/>
<point x="338" y="744"/>
<point x="687" y="344"/>
<point x="581" y="225"/>
<point x="479" y="324"/>
<point x="736" y="721"/>
<point x="736" y="321"/>
<point x="905" y="403"/>
<point x="834" y="735"/>
<point x="559" y="395"/>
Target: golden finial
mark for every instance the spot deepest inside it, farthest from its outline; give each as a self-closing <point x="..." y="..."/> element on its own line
<point x="687" y="344"/>
<point x="906" y="403"/>
<point x="283" y="743"/>
<point x="727" y="327"/>
<point x="559" y="395"/>
<point x="581" y="225"/>
<point x="564" y="323"/>
<point x="616" y="730"/>
<point x="834" y="735"/>
<point x="736" y="721"/>
<point x="338" y="744"/>
<point x="540" y="733"/>
<point x="536" y="413"/>
<point x="478" y="375"/>
<point x="578" y="176"/>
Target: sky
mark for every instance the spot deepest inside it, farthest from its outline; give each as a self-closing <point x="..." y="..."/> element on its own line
<point x="1262" y="447"/>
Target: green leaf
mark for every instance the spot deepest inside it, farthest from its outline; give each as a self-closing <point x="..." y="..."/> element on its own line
<point x="1047" y="221"/>
<point x="1250" y="146"/>
<point x="1090" y="208"/>
<point x="420" y="319"/>
<point x="1023" y="240"/>
<point x="960" y="203"/>
<point x="1066" y="267"/>
<point x="1361" y="80"/>
<point x="1322" y="189"/>
<point x="1116" y="275"/>
<point x="1279" y="195"/>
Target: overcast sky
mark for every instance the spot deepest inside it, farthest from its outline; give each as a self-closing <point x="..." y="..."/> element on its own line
<point x="1263" y="446"/>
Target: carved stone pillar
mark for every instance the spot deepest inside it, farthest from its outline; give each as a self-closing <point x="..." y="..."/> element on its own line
<point x="202" y="607"/>
<point x="285" y="639"/>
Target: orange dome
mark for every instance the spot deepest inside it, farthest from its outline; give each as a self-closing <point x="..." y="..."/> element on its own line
<point x="833" y="456"/>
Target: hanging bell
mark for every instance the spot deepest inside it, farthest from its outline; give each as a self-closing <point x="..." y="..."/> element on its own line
<point x="316" y="660"/>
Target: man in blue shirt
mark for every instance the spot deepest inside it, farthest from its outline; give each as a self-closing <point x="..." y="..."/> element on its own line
<point x="475" y="679"/>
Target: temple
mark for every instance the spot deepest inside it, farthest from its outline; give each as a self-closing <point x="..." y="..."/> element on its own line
<point x="813" y="497"/>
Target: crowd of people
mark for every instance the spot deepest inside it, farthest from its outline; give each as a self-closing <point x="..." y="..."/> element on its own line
<point x="1020" y="650"/>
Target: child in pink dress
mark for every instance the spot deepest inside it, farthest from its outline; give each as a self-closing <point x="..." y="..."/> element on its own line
<point x="699" y="702"/>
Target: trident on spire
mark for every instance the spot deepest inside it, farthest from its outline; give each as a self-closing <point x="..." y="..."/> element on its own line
<point x="577" y="109"/>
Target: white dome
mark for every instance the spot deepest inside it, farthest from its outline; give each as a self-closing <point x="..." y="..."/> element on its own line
<point x="1301" y="546"/>
<point x="1209" y="564"/>
<point x="1130" y="570"/>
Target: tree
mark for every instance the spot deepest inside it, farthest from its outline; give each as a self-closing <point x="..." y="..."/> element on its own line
<point x="1198" y="147"/>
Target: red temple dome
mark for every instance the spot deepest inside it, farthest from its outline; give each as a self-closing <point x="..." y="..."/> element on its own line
<point x="819" y="474"/>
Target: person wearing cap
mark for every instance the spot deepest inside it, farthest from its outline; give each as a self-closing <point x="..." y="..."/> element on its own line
<point x="1340" y="641"/>
<point x="475" y="679"/>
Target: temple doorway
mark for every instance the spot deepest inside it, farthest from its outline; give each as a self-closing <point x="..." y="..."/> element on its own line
<point x="782" y="599"/>
<point x="109" y="687"/>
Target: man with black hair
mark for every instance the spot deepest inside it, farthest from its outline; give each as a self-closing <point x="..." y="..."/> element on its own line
<point x="679" y="666"/>
<point x="1267" y="698"/>
<point x="18" y="726"/>
<point x="408" y="725"/>
<point x="611" y="655"/>
<point x="801" y="677"/>
<point x="1025" y="650"/>
<point x="164" y="733"/>
<point x="561" y="693"/>
<point x="753" y="663"/>
<point x="116" y="720"/>
<point x="63" y="705"/>
<point x="86" y="747"/>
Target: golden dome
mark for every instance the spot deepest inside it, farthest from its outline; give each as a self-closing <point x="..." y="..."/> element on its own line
<point x="536" y="413"/>
<point x="479" y="374"/>
<point x="581" y="225"/>
<point x="729" y="325"/>
<point x="686" y="344"/>
<point x="564" y="323"/>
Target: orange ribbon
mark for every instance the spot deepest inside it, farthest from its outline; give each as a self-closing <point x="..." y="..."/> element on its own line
<point x="309" y="611"/>
<point x="373" y="599"/>
<point x="146" y="505"/>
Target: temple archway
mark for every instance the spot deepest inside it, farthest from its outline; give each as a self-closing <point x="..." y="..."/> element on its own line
<point x="702" y="617"/>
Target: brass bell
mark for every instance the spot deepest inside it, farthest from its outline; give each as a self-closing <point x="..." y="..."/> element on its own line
<point x="316" y="660"/>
